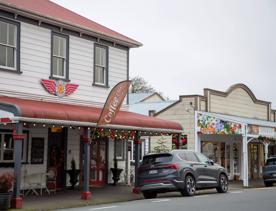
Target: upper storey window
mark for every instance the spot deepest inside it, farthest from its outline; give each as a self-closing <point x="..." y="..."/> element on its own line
<point x="101" y="65"/>
<point x="60" y="56"/>
<point x="9" y="45"/>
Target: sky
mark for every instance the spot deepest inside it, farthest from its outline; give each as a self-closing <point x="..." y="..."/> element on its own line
<point x="189" y="45"/>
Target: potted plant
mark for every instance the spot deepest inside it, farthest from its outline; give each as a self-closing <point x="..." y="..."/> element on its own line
<point x="74" y="174"/>
<point x="6" y="183"/>
<point x="116" y="171"/>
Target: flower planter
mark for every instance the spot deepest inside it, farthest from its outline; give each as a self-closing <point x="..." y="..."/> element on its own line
<point x="116" y="175"/>
<point x="5" y="201"/>
<point x="74" y="177"/>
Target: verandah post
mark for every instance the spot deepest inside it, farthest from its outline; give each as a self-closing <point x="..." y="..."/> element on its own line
<point x="86" y="194"/>
<point x="137" y="145"/>
<point x="18" y="137"/>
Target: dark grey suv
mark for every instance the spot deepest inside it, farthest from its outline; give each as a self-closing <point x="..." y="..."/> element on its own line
<point x="269" y="172"/>
<point x="180" y="170"/>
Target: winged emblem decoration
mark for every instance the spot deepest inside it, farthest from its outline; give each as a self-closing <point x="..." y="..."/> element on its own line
<point x="59" y="88"/>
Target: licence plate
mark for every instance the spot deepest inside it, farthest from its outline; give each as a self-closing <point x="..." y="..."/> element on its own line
<point x="153" y="172"/>
<point x="274" y="175"/>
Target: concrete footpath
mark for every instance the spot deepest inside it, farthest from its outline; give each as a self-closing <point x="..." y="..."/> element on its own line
<point x="104" y="195"/>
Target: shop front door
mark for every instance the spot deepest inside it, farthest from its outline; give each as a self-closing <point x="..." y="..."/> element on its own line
<point x="98" y="164"/>
<point x="56" y="157"/>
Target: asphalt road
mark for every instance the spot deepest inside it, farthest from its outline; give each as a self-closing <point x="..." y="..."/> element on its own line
<point x="259" y="199"/>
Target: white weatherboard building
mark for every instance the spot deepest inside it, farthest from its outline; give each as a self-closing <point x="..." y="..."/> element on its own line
<point x="233" y="128"/>
<point x="57" y="69"/>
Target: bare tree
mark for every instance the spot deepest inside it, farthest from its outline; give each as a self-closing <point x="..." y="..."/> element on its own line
<point x="139" y="85"/>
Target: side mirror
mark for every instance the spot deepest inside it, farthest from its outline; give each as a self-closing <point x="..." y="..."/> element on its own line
<point x="211" y="162"/>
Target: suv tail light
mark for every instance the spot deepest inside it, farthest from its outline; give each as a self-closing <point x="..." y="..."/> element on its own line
<point x="171" y="166"/>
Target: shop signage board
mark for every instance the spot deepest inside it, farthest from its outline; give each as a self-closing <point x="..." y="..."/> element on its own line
<point x="211" y="125"/>
<point x="113" y="102"/>
<point x="261" y="131"/>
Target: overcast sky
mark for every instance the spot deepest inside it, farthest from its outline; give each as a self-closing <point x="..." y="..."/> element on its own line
<point x="195" y="44"/>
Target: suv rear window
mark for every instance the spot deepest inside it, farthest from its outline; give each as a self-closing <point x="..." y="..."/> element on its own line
<point x="271" y="161"/>
<point x="152" y="159"/>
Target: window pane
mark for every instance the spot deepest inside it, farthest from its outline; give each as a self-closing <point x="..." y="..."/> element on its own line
<point x="97" y="55"/>
<point x="12" y="35"/>
<point x="100" y="56"/>
<point x="55" y="45"/>
<point x="191" y="156"/>
<point x="202" y="158"/>
<point x="2" y="56"/>
<point x="62" y="47"/>
<point x="119" y="148"/>
<point x="58" y="66"/>
<point x="8" y="155"/>
<point x="3" y="32"/>
<point x="99" y="75"/>
<point x="103" y="57"/>
<point x="8" y="147"/>
<point x="10" y="57"/>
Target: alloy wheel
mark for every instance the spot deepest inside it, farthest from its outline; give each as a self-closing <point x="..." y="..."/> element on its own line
<point x="223" y="183"/>
<point x="190" y="185"/>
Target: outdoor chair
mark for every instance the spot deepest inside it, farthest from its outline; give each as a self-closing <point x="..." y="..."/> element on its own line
<point x="51" y="181"/>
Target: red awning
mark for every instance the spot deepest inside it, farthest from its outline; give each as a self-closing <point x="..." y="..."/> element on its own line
<point x="66" y="112"/>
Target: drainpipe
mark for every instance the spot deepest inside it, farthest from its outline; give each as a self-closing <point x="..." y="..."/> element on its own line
<point x="86" y="194"/>
<point x="137" y="145"/>
<point x="18" y="138"/>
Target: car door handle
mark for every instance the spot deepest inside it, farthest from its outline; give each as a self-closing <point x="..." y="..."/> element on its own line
<point x="205" y="165"/>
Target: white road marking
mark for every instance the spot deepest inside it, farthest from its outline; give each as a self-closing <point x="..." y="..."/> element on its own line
<point x="265" y="188"/>
<point x="236" y="192"/>
<point x="201" y="196"/>
<point x="102" y="208"/>
<point x="161" y="200"/>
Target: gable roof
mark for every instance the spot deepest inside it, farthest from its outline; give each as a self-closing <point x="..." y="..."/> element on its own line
<point x="52" y="11"/>
<point x="137" y="97"/>
<point x="144" y="107"/>
<point x="142" y="97"/>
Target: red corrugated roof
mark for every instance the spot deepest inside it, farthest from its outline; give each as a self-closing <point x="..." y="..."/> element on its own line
<point x="58" y="111"/>
<point x="54" y="11"/>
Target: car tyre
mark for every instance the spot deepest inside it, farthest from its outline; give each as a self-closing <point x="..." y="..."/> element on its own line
<point x="223" y="184"/>
<point x="189" y="186"/>
<point x="268" y="184"/>
<point x="149" y="195"/>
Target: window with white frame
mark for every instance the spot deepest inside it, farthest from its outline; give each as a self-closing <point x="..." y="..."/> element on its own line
<point x="60" y="54"/>
<point x="101" y="65"/>
<point x="7" y="148"/>
<point x="9" y="45"/>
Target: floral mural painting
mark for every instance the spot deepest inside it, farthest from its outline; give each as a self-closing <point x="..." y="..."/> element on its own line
<point x="212" y="125"/>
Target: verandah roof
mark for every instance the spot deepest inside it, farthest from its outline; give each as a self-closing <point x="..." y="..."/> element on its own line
<point x="48" y="112"/>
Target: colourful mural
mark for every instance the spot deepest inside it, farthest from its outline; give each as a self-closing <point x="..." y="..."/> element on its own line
<point x="212" y="125"/>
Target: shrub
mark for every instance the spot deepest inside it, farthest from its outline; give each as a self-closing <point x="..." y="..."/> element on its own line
<point x="6" y="182"/>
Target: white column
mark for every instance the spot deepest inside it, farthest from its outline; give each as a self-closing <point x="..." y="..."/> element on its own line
<point x="198" y="143"/>
<point x="266" y="150"/>
<point x="245" y="158"/>
<point x="197" y="139"/>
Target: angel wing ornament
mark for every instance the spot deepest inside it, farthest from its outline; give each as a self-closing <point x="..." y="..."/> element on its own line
<point x="59" y="88"/>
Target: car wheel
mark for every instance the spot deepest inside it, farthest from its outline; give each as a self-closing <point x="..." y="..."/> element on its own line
<point x="149" y="195"/>
<point x="223" y="184"/>
<point x="189" y="186"/>
<point x="268" y="184"/>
